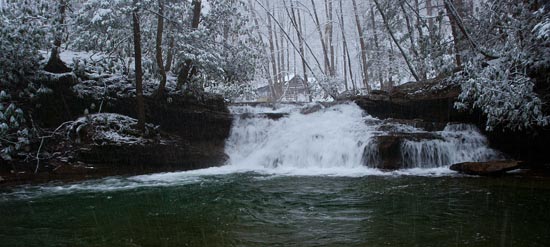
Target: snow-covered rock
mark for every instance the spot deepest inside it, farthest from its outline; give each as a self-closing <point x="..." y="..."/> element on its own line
<point x="110" y="128"/>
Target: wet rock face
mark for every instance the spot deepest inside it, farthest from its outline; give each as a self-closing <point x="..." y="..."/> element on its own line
<point x="486" y="168"/>
<point x="389" y="149"/>
<point x="169" y="155"/>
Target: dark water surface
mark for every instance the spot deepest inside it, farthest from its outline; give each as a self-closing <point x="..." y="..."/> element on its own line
<point x="257" y="210"/>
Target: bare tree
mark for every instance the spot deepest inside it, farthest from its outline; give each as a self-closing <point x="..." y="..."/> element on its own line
<point x="323" y="44"/>
<point x="306" y="80"/>
<point x="345" y="50"/>
<point x="282" y="69"/>
<point x="302" y="55"/>
<point x="330" y="37"/>
<point x="376" y="48"/>
<point x="276" y="90"/>
<point x="261" y="38"/>
<point x="411" y="34"/>
<point x="296" y="20"/>
<point x="363" y="46"/>
<point x="278" y="56"/>
<point x="392" y="35"/>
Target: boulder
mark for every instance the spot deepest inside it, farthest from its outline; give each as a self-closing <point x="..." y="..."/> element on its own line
<point x="486" y="168"/>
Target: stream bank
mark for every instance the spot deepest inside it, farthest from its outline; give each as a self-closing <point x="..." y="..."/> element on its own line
<point x="88" y="125"/>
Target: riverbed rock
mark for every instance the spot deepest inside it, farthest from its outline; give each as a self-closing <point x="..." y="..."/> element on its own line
<point x="486" y="168"/>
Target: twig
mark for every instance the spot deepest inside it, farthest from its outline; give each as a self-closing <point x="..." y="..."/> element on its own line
<point x="42" y="144"/>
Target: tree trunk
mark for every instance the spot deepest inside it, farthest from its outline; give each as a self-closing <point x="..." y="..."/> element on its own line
<point x="302" y="50"/>
<point x="138" y="68"/>
<point x="282" y="55"/>
<point x="278" y="60"/>
<point x="457" y="37"/>
<point x="55" y="64"/>
<point x="345" y="50"/>
<point x="429" y="11"/>
<point x="296" y="21"/>
<point x="330" y="41"/>
<point x="323" y="44"/>
<point x="170" y="53"/>
<point x="158" y="48"/>
<point x="413" y="49"/>
<point x="276" y="92"/>
<point x="422" y="45"/>
<point x="377" y="48"/>
<point x="365" y="68"/>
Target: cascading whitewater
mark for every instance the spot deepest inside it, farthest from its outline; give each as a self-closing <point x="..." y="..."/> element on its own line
<point x="329" y="138"/>
<point x="458" y="143"/>
<point x="339" y="137"/>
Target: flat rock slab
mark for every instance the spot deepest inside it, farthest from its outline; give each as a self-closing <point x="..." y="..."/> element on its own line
<point x="486" y="168"/>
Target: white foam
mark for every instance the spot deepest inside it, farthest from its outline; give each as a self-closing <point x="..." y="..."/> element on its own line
<point x="458" y="143"/>
<point x="330" y="139"/>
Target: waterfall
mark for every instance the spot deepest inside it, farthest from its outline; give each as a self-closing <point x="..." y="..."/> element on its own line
<point x="330" y="138"/>
<point x="340" y="137"/>
<point x="458" y="143"/>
